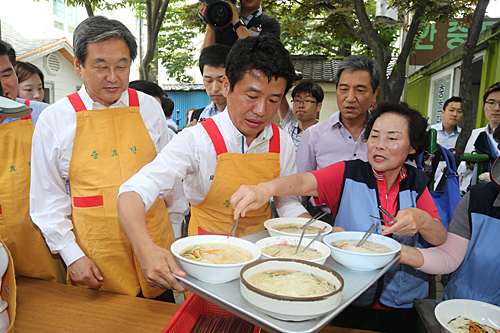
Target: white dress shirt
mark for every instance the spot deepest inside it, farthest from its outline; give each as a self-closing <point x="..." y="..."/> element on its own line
<point x="52" y="148"/>
<point x="191" y="157"/>
<point x="447" y="141"/>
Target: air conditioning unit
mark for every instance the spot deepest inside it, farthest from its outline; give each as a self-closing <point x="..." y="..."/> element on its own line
<point x="52" y="64"/>
<point x="384" y="13"/>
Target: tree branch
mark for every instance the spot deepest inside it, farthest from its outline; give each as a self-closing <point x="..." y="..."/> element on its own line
<point x="398" y="87"/>
<point x="325" y="46"/>
<point x="88" y="8"/>
<point x="466" y="74"/>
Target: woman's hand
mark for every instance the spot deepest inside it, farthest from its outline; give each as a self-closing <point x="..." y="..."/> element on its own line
<point x="409" y="221"/>
<point x="410" y="256"/>
<point x="249" y="198"/>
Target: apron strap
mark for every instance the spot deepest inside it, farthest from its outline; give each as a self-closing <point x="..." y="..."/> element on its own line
<point x="274" y="143"/>
<point x="133" y="98"/>
<point x="215" y="135"/>
<point x="27" y="103"/>
<point x="76" y="102"/>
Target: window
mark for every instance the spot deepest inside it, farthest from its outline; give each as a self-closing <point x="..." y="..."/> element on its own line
<point x="67" y="14"/>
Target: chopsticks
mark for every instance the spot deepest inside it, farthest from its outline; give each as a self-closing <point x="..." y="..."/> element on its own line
<point x="314" y="218"/>
<point x="319" y="233"/>
<point x="235" y="225"/>
<point x="386" y="213"/>
<point x="367" y="234"/>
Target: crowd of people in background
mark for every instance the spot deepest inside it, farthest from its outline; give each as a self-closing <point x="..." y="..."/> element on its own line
<point x="104" y="181"/>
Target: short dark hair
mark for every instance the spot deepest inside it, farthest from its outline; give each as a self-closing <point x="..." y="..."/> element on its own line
<point x="214" y="56"/>
<point x="494" y="87"/>
<point x="309" y="87"/>
<point x="450" y="100"/>
<point x="7" y="49"/>
<point x="25" y="70"/>
<point x="97" y="29"/>
<point x="147" y="87"/>
<point x="359" y="63"/>
<point x="418" y="131"/>
<point x="261" y="53"/>
<point x="1" y="90"/>
<point x="168" y="106"/>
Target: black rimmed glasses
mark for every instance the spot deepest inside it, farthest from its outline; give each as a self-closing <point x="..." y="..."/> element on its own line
<point x="306" y="102"/>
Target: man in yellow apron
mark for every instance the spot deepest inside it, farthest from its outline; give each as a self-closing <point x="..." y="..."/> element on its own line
<point x="32" y="257"/>
<point x="98" y="137"/>
<point x="229" y="149"/>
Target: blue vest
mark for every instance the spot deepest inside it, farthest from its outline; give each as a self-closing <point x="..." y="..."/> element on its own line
<point x="478" y="277"/>
<point x="358" y="198"/>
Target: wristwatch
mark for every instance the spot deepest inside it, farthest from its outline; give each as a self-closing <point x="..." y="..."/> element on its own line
<point x="239" y="24"/>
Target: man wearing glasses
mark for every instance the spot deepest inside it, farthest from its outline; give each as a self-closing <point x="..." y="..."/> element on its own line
<point x="307" y="98"/>
<point x="481" y="139"/>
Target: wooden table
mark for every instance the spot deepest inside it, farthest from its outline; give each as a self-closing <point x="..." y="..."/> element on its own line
<point x="51" y="307"/>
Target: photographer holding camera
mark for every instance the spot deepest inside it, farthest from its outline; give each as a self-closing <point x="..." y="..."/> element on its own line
<point x="226" y="27"/>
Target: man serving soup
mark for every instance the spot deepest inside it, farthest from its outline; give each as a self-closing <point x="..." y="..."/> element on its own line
<point x="353" y="190"/>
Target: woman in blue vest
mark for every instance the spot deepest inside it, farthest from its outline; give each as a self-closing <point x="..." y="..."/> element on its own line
<point x="472" y="248"/>
<point x="353" y="190"/>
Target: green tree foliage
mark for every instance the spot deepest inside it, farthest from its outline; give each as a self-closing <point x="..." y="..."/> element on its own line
<point x="176" y="50"/>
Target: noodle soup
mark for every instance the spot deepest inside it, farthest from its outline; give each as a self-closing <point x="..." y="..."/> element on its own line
<point x="291" y="283"/>
<point x="294" y="228"/>
<point x="367" y="247"/>
<point x="288" y="251"/>
<point x="214" y="253"/>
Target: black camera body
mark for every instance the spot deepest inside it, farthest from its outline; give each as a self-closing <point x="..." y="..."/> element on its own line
<point x="218" y="14"/>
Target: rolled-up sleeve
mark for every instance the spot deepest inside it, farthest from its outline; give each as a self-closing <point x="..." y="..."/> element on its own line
<point x="288" y="206"/>
<point x="165" y="172"/>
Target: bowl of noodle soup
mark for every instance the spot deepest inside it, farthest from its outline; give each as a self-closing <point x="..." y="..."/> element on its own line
<point x="455" y="315"/>
<point x="378" y="250"/>
<point x="289" y="289"/>
<point x="289" y="226"/>
<point x="284" y="247"/>
<point x="214" y="258"/>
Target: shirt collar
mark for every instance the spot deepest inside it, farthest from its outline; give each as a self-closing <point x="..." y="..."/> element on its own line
<point x="123" y="101"/>
<point x="256" y="13"/>
<point x="226" y="121"/>
<point x="457" y="130"/>
<point x="380" y="176"/>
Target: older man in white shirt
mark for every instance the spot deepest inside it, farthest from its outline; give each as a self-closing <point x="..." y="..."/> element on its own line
<point x="237" y="146"/>
<point x="97" y="138"/>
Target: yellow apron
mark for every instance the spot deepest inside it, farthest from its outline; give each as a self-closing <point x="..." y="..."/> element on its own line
<point x="9" y="290"/>
<point x="214" y="215"/>
<point x="110" y="146"/>
<point x="32" y="256"/>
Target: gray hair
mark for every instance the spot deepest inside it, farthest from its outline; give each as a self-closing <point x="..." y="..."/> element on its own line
<point x="360" y="63"/>
<point x="97" y="29"/>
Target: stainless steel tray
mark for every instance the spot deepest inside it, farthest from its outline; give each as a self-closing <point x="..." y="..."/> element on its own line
<point x="228" y="296"/>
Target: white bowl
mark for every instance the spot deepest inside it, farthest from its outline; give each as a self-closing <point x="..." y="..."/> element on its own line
<point x="212" y="273"/>
<point x="300" y="220"/>
<point x="480" y="312"/>
<point x="291" y="308"/>
<point x="362" y="261"/>
<point x="325" y="250"/>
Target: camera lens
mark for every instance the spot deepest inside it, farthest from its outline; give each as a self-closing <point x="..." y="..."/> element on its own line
<point x="219" y="14"/>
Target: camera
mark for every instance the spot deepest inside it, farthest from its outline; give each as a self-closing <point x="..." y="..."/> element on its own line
<point x="218" y="14"/>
